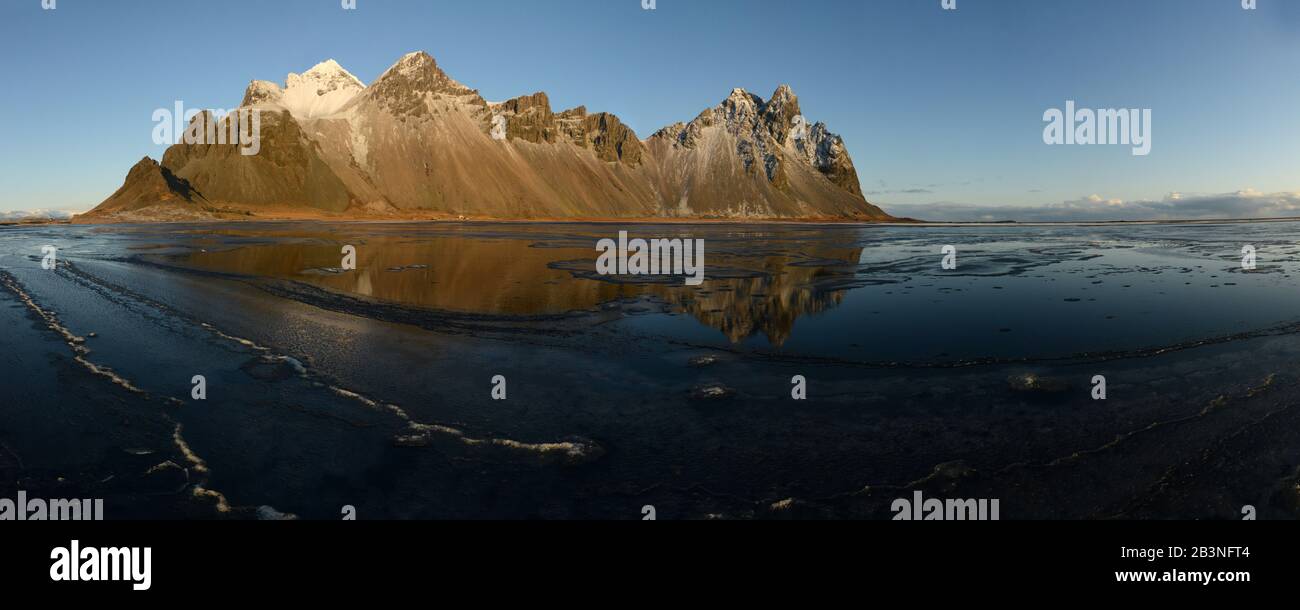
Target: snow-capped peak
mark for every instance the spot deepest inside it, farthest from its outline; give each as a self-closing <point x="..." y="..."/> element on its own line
<point x="321" y="91"/>
<point x="330" y="71"/>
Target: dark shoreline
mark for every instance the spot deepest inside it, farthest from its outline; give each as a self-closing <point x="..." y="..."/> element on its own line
<point x="906" y="222"/>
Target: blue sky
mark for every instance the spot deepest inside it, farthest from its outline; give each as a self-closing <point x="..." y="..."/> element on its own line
<point x="935" y="106"/>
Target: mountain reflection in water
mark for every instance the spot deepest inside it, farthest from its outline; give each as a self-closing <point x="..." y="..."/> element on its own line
<point x="756" y="289"/>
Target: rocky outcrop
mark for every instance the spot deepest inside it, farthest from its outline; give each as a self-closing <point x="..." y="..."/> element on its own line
<point x="528" y="118"/>
<point x="761" y="156"/>
<point x="151" y="188"/>
<point x="419" y="143"/>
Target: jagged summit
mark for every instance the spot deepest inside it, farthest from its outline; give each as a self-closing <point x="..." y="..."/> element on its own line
<point x="770" y="137"/>
<point x="780" y="113"/>
<point x="410" y="64"/>
<point x="421" y="71"/>
<point x="417" y="142"/>
<point x="405" y="86"/>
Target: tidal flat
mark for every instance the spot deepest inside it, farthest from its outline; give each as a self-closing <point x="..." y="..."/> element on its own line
<point x="372" y="388"/>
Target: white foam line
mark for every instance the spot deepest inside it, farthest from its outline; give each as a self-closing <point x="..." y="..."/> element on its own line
<point x="80" y="351"/>
<point x="240" y="340"/>
<point x="75" y="342"/>
<point x="423" y="431"/>
<point x="223" y="506"/>
<point x="193" y="458"/>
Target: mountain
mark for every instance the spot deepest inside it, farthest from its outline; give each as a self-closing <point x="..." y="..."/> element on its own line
<point x="153" y="191"/>
<point x="417" y="144"/>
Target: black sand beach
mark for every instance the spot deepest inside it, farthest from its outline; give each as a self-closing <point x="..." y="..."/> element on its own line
<point x="372" y="387"/>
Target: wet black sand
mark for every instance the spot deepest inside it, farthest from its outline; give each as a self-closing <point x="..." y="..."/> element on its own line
<point x="371" y="388"/>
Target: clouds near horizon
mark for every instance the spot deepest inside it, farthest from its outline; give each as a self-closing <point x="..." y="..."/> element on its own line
<point x="1243" y="204"/>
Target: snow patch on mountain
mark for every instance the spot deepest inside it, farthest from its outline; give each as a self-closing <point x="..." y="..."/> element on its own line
<point x="499" y="123"/>
<point x="799" y="128"/>
<point x="319" y="92"/>
<point x="818" y="146"/>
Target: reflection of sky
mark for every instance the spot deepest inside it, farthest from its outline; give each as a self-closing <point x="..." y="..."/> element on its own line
<point x="1089" y="289"/>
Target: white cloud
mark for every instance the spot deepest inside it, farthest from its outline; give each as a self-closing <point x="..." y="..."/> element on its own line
<point x="37" y="214"/>
<point x="1248" y="203"/>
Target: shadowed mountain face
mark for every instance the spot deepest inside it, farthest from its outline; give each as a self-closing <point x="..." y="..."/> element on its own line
<point x="153" y="190"/>
<point x="416" y="143"/>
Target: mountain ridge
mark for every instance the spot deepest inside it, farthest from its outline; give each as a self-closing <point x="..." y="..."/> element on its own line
<point x="416" y="143"/>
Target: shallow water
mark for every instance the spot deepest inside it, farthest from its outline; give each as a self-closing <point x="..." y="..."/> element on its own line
<point x="372" y="387"/>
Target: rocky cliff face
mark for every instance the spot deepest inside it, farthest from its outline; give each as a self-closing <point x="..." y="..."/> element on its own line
<point x="417" y="143"/>
<point x="759" y="158"/>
